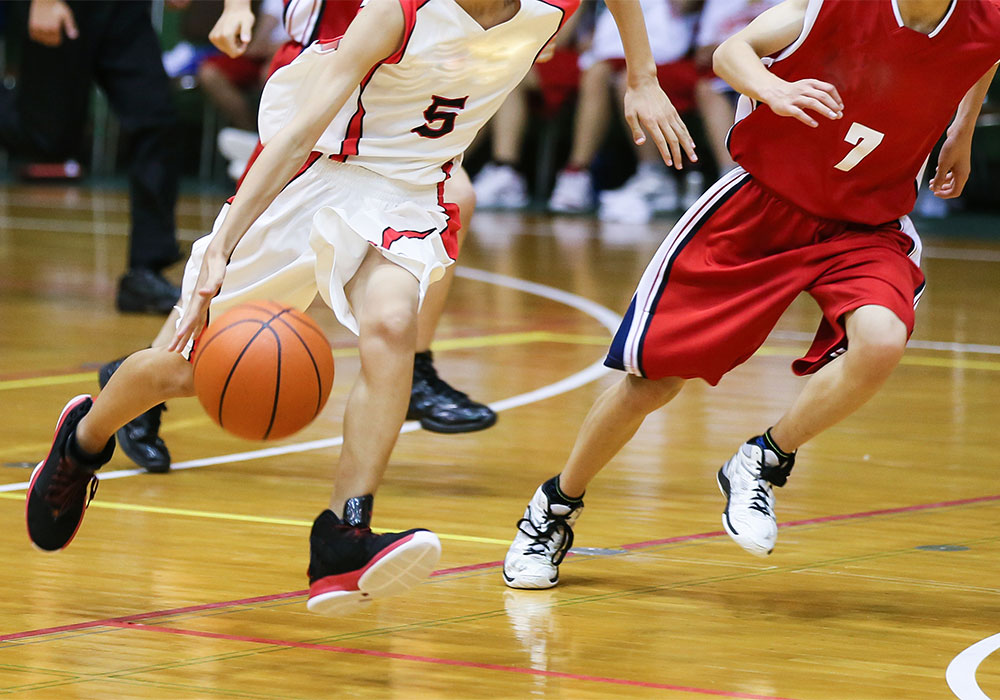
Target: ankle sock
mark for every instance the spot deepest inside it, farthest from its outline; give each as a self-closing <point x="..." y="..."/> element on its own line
<point x="88" y="459"/>
<point x="552" y="490"/>
<point x="769" y="441"/>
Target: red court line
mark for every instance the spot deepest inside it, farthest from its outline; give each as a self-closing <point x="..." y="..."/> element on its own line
<point x="474" y="567"/>
<point x="446" y="662"/>
<point x="825" y="519"/>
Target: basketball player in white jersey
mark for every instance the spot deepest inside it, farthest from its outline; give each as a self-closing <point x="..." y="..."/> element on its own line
<point x="378" y="119"/>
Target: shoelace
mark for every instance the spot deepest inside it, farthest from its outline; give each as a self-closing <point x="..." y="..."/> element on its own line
<point x="542" y="539"/>
<point x="760" y="501"/>
<point x="67" y="483"/>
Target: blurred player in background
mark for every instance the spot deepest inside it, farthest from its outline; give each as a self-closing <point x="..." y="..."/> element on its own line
<point x="836" y="127"/>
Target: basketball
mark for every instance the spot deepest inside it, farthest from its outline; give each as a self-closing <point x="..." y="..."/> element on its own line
<point x="263" y="370"/>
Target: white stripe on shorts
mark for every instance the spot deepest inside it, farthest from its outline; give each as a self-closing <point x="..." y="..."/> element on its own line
<point x="652" y="278"/>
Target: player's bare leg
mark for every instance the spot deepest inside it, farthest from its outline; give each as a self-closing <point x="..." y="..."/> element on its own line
<point x="545" y="533"/>
<point x="435" y="403"/>
<point x="348" y="563"/>
<point x="876" y="340"/>
<point x="64" y="482"/>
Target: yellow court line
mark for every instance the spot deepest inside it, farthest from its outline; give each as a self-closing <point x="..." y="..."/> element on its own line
<point x="186" y="512"/>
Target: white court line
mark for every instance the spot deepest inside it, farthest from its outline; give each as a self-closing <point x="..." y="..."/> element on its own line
<point x="961" y="673"/>
<point x="606" y="317"/>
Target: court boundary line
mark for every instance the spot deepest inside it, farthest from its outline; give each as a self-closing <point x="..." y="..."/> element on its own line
<point x="961" y="672"/>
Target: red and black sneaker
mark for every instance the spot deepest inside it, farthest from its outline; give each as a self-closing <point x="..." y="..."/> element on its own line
<point x="64" y="483"/>
<point x="350" y="565"/>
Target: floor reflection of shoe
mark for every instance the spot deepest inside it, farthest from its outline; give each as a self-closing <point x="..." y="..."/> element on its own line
<point x="142" y="290"/>
<point x="533" y="621"/>
<point x="440" y="407"/>
<point x="573" y="192"/>
<point x="500" y="186"/>
<point x="350" y="565"/>
<point x="140" y="438"/>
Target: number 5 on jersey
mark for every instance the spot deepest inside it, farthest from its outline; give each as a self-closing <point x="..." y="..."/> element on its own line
<point x="866" y="140"/>
<point x="439" y="120"/>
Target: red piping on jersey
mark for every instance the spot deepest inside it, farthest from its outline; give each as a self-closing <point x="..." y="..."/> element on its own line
<point x="454" y="213"/>
<point x="313" y="157"/>
<point x="567" y="7"/>
<point x="349" y="146"/>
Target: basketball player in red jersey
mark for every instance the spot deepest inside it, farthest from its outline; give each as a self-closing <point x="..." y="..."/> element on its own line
<point x="436" y="404"/>
<point x="346" y="201"/>
<point x="843" y="102"/>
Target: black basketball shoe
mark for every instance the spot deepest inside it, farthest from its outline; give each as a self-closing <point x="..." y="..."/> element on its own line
<point x="64" y="483"/>
<point x="140" y="438"/>
<point x="441" y="408"/>
<point x="350" y="565"/>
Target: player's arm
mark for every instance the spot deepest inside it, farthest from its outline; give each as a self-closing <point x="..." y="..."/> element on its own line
<point x="737" y="61"/>
<point x="955" y="160"/>
<point x="48" y="20"/>
<point x="376" y="34"/>
<point x="232" y="32"/>
<point x="646" y="106"/>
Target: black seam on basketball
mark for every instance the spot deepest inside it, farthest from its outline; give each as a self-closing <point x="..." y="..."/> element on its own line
<point x="216" y="334"/>
<point x="232" y="370"/>
<point x="319" y="381"/>
<point x="277" y="381"/>
<point x="318" y="332"/>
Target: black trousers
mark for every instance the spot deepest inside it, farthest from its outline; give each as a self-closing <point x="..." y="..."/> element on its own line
<point x="44" y="116"/>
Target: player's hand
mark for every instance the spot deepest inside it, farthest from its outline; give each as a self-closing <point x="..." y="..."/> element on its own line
<point x="48" y="20"/>
<point x="793" y="99"/>
<point x="953" y="166"/>
<point x="231" y="34"/>
<point x="210" y="277"/>
<point x="648" y="109"/>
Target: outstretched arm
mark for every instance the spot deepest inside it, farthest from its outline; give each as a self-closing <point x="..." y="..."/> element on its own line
<point x="955" y="160"/>
<point x="232" y="32"/>
<point x="647" y="108"/>
<point x="376" y="34"/>
<point x="737" y="61"/>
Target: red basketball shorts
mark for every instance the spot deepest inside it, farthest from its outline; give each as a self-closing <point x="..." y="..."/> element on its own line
<point x="732" y="265"/>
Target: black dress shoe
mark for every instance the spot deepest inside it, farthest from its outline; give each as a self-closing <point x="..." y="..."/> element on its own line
<point x="140" y="438"/>
<point x="142" y="290"/>
<point x="441" y="408"/>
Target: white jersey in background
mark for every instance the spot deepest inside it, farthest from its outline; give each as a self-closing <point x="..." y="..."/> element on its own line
<point x="670" y="35"/>
<point x="720" y="19"/>
<point x="421" y="108"/>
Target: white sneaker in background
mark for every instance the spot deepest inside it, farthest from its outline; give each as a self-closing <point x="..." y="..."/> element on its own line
<point x="500" y="187"/>
<point x="573" y="192"/>
<point x="694" y="187"/>
<point x="624" y="206"/>
<point x="236" y="146"/>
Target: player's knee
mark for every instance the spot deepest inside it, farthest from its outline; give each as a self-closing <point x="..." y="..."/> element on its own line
<point x="395" y="325"/>
<point x="167" y="373"/>
<point x="878" y="343"/>
<point x="647" y="395"/>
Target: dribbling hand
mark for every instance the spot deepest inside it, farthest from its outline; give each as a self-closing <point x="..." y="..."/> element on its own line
<point x="793" y="99"/>
<point x="647" y="108"/>
<point x="210" y="277"/>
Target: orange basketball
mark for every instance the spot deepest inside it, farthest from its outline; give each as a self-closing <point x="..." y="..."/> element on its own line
<point x="263" y="370"/>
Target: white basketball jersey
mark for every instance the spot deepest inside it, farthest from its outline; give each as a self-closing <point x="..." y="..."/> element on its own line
<point x="419" y="109"/>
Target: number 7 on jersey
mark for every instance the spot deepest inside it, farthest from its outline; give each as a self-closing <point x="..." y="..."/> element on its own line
<point x="866" y="140"/>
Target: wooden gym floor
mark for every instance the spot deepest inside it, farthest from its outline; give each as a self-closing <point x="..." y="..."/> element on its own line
<point x="190" y="585"/>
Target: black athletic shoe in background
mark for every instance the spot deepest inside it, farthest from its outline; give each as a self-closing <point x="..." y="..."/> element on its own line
<point x="350" y="565"/>
<point x="140" y="438"/>
<point x="64" y="483"/>
<point x="142" y="290"/>
<point x="441" y="408"/>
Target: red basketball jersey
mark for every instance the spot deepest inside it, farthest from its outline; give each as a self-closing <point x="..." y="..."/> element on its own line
<point x="307" y="21"/>
<point x="900" y="90"/>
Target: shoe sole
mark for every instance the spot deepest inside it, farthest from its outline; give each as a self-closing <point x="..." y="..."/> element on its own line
<point x="529" y="584"/>
<point x="395" y="571"/>
<point x="70" y="405"/>
<point x="451" y="428"/>
<point x="745" y="544"/>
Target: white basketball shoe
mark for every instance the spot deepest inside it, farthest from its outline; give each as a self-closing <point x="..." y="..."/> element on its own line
<point x="544" y="536"/>
<point x="746" y="481"/>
